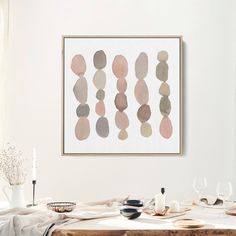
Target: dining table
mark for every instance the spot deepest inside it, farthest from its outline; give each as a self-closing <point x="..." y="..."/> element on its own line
<point x="216" y="223"/>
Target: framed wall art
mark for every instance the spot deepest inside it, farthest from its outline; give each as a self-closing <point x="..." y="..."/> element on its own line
<point x="122" y="95"/>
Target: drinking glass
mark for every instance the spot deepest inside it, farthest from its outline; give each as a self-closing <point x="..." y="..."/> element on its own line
<point x="224" y="190"/>
<point x="199" y="185"/>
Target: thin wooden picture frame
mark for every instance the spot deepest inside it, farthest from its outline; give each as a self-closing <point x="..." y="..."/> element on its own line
<point x="89" y="153"/>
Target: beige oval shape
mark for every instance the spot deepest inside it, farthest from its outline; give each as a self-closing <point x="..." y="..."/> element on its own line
<point x="162" y="56"/>
<point x="166" y="127"/>
<point x="123" y="135"/>
<point x="120" y="66"/>
<point x="121" y="102"/>
<point x="141" y="92"/>
<point x="78" y="65"/>
<point x="162" y="71"/>
<point x="82" y="128"/>
<point x="122" y="120"/>
<point x="102" y="127"/>
<point x="81" y="90"/>
<point x="164" y="89"/>
<point x="100" y="108"/>
<point x="141" y="66"/>
<point x="99" y="79"/>
<point x="121" y="85"/>
<point x="146" y="130"/>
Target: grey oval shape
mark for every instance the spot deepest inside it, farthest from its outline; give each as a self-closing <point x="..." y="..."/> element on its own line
<point x="165" y="106"/>
<point x="99" y="59"/>
<point x="102" y="127"/>
<point x="83" y="110"/>
<point x="100" y="95"/>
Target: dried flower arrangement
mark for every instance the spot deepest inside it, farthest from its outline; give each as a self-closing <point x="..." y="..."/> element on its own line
<point x="12" y="165"/>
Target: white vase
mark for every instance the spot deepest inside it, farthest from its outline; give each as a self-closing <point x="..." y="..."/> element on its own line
<point x="15" y="195"/>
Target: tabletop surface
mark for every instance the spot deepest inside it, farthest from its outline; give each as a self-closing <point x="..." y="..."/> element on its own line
<point x="216" y="223"/>
<point x="214" y="219"/>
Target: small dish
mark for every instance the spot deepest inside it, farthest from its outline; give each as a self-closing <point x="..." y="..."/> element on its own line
<point x="134" y="203"/>
<point x="130" y="213"/>
<point x="231" y="211"/>
<point x="189" y="223"/>
<point x="61" y="207"/>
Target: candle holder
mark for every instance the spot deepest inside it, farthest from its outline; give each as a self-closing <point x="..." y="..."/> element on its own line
<point x="33" y="200"/>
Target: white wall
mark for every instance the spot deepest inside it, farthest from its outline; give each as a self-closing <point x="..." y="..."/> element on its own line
<point x="34" y="93"/>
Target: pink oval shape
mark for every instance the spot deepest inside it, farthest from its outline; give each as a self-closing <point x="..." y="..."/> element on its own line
<point x="100" y="108"/>
<point x="82" y="128"/>
<point x="120" y="66"/>
<point x="78" y="65"/>
<point x="166" y="127"/>
<point x="121" y="85"/>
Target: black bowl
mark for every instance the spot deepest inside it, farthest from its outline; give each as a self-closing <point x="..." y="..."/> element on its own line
<point x="135" y="203"/>
<point x="130" y="213"/>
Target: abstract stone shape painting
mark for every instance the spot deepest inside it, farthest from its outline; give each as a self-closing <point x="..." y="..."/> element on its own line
<point x="122" y="95"/>
<point x="80" y="89"/>
<point x="99" y="81"/>
<point x="165" y="104"/>
<point x="120" y="70"/>
<point x="142" y="94"/>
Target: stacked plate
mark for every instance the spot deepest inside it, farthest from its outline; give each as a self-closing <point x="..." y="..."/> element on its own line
<point x="131" y="209"/>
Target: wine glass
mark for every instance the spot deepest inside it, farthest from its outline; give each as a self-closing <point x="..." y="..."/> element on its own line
<point x="199" y="185"/>
<point x="224" y="190"/>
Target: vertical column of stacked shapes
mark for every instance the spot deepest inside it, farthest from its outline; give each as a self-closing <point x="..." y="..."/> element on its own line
<point x="120" y="70"/>
<point x="80" y="89"/>
<point x="99" y="81"/>
<point x="142" y="94"/>
<point x="162" y="68"/>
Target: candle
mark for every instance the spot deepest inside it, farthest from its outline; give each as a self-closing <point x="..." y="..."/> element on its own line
<point x="160" y="203"/>
<point x="174" y="206"/>
<point x="34" y="165"/>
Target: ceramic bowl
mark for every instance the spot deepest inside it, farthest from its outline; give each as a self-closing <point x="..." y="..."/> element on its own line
<point x="61" y="206"/>
<point x="130" y="213"/>
<point x="134" y="203"/>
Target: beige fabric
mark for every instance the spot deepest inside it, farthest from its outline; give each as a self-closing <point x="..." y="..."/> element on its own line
<point x="26" y="222"/>
<point x="29" y="221"/>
